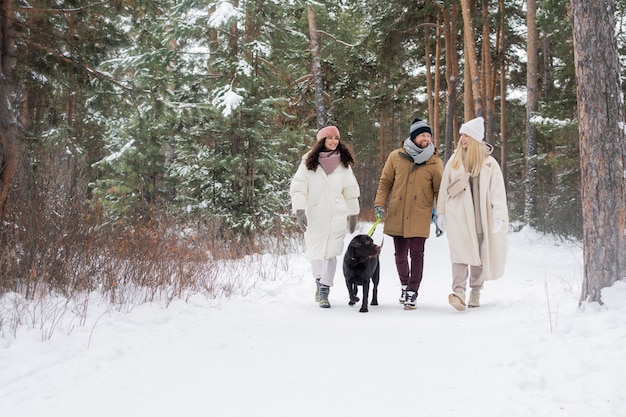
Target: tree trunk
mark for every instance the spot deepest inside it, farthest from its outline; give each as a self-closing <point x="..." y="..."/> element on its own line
<point x="602" y="145"/>
<point x="501" y="48"/>
<point x="436" y="102"/>
<point x="452" y="73"/>
<point x="471" y="59"/>
<point x="320" y="108"/>
<point x="469" y="112"/>
<point x="429" y="77"/>
<point x="487" y="73"/>
<point x="9" y="151"/>
<point x="531" y="108"/>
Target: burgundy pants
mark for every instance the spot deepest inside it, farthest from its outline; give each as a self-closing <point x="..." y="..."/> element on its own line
<point x="410" y="248"/>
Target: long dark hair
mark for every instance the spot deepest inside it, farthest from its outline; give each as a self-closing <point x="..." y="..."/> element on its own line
<point x="312" y="161"/>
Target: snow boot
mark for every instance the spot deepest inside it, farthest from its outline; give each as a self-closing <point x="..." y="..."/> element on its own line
<point x="457" y="300"/>
<point x="411" y="297"/>
<point x="317" y="290"/>
<point x="474" y="299"/>
<point x="324" y="291"/>
<point x="403" y="295"/>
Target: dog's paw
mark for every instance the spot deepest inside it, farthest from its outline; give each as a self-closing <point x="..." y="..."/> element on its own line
<point x="374" y="303"/>
<point x="363" y="310"/>
<point x="351" y="303"/>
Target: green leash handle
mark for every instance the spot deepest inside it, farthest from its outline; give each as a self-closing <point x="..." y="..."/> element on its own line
<point x="376" y="223"/>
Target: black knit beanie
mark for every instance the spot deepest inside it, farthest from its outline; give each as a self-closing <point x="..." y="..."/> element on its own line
<point x="419" y="126"/>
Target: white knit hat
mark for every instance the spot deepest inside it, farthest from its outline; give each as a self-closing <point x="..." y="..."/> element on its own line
<point x="475" y="129"/>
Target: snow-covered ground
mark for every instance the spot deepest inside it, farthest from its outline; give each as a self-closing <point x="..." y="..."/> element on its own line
<point x="529" y="350"/>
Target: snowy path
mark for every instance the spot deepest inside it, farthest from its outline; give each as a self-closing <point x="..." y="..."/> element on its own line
<point x="528" y="351"/>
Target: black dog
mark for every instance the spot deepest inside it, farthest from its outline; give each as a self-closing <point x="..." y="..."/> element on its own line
<point x="360" y="264"/>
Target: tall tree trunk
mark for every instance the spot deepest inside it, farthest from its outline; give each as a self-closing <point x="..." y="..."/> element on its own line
<point x="9" y="150"/>
<point x="531" y="108"/>
<point x="452" y="73"/>
<point x="436" y="101"/>
<point x="472" y="59"/>
<point x="501" y="48"/>
<point x="487" y="72"/>
<point x="429" y="77"/>
<point x="602" y="145"/>
<point x="469" y="111"/>
<point x="236" y="143"/>
<point x="320" y="108"/>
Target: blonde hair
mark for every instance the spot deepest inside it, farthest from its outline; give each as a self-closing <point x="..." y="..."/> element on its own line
<point x="471" y="158"/>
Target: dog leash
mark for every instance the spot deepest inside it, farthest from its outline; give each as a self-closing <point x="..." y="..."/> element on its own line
<point x="376" y="223"/>
<point x="371" y="232"/>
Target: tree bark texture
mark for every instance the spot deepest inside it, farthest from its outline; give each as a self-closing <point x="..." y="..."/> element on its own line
<point x="429" y="80"/>
<point x="9" y="149"/>
<point x="531" y="108"/>
<point x="501" y="48"/>
<point x="320" y="108"/>
<point x="602" y="145"/>
<point x="436" y="100"/>
<point x="472" y="58"/>
<point x="487" y="73"/>
<point x="452" y="74"/>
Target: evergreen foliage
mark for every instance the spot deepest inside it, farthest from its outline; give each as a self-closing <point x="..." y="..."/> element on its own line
<point x="204" y="108"/>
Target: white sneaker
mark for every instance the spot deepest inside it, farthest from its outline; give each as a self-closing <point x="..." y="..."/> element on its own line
<point x="409" y="303"/>
<point x="403" y="295"/>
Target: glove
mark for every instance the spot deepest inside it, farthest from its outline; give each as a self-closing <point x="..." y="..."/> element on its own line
<point x="352" y="223"/>
<point x="497" y="225"/>
<point x="441" y="222"/>
<point x="379" y="212"/>
<point x="301" y="220"/>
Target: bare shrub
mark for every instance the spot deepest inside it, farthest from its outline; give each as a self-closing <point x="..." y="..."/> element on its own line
<point x="58" y="252"/>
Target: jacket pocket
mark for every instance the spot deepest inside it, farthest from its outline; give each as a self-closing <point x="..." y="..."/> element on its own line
<point x="458" y="185"/>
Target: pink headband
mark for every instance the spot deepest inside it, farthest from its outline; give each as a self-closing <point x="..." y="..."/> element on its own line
<point x="327" y="131"/>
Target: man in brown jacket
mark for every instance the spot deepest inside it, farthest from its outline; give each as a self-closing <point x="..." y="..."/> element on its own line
<point x="408" y="187"/>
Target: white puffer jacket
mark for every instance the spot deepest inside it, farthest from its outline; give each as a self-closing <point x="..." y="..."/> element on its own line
<point x="327" y="200"/>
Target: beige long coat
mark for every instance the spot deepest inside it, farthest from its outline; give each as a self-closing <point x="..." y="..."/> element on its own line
<point x="409" y="192"/>
<point x="461" y="225"/>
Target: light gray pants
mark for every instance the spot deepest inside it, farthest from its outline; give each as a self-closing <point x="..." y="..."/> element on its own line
<point x="324" y="270"/>
<point x="460" y="273"/>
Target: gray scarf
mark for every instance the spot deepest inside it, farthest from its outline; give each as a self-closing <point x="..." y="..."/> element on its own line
<point x="418" y="154"/>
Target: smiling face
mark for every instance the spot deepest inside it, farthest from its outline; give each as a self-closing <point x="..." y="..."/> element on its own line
<point x="423" y="139"/>
<point x="464" y="139"/>
<point x="331" y="142"/>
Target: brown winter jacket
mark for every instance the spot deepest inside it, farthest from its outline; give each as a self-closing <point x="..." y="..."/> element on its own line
<point x="409" y="192"/>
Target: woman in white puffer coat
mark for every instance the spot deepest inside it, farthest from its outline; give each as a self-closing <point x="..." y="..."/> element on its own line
<point x="472" y="207"/>
<point x="325" y="200"/>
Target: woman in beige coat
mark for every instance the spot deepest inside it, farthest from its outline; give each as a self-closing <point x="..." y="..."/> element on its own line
<point x="472" y="208"/>
<point x="408" y="187"/>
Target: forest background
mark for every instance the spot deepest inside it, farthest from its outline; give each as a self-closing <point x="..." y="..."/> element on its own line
<point x="142" y="141"/>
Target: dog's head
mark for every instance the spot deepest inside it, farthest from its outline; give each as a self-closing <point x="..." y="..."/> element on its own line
<point x="362" y="247"/>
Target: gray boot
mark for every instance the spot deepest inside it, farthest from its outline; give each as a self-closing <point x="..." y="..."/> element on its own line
<point x="474" y="299"/>
<point x="324" y="291"/>
<point x="317" y="291"/>
<point x="457" y="299"/>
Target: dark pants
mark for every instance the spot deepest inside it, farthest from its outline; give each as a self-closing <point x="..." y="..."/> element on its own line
<point x="413" y="248"/>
